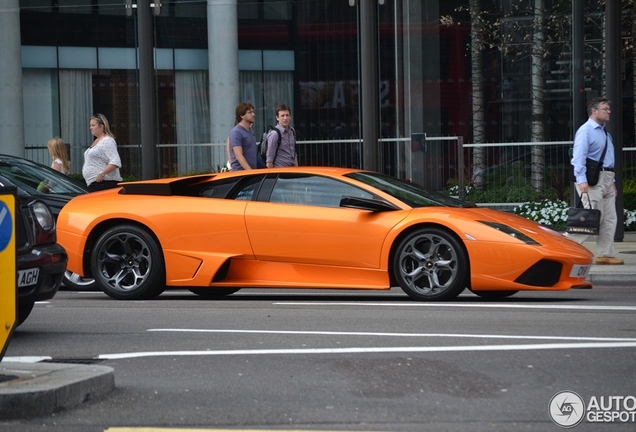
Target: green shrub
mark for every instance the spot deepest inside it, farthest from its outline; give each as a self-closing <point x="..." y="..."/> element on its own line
<point x="544" y="208"/>
<point x="508" y="194"/>
<point x="554" y="214"/>
<point x="629" y="193"/>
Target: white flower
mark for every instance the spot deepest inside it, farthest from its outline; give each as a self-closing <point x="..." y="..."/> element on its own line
<point x="554" y="213"/>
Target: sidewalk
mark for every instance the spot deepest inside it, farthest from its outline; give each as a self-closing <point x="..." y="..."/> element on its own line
<point x="36" y="389"/>
<point x="609" y="275"/>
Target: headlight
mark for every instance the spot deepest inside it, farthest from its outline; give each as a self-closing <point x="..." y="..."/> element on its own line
<point x="511" y="232"/>
<point x="43" y="216"/>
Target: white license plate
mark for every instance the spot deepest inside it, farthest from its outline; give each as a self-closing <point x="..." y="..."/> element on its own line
<point x="28" y="277"/>
<point x="580" y="271"/>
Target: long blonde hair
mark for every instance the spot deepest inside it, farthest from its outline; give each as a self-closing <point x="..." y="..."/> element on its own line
<point x="57" y="148"/>
<point x="102" y="120"/>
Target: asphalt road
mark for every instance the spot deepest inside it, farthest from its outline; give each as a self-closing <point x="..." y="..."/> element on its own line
<point x="325" y="360"/>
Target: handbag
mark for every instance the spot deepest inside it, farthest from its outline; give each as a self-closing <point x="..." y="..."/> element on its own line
<point x="583" y="220"/>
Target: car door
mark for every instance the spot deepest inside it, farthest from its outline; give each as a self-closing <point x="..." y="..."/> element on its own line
<point x="302" y="222"/>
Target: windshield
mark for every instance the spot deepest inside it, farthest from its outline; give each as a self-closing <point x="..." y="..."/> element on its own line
<point x="409" y="193"/>
<point x="35" y="178"/>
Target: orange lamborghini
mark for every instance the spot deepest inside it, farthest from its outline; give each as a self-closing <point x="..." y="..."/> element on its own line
<point x="308" y="228"/>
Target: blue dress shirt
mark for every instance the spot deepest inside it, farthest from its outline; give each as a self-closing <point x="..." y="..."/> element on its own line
<point x="589" y="142"/>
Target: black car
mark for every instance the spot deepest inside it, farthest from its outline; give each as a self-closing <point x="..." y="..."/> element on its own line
<point x="41" y="261"/>
<point x="50" y="186"/>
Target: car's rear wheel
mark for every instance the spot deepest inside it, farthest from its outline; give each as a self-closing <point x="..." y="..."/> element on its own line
<point x="127" y="263"/>
<point x="213" y="293"/>
<point x="495" y="295"/>
<point x="75" y="282"/>
<point x="431" y="264"/>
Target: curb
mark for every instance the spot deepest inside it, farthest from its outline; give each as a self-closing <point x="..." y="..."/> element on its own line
<point x="37" y="389"/>
<point x="623" y="275"/>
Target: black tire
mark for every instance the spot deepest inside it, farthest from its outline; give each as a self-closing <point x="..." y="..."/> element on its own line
<point x="213" y="293"/>
<point x="75" y="282"/>
<point x="24" y="310"/>
<point x="127" y="263"/>
<point x="494" y="295"/>
<point x="431" y="264"/>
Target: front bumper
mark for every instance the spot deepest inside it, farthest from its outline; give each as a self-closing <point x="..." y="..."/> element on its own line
<point x="51" y="260"/>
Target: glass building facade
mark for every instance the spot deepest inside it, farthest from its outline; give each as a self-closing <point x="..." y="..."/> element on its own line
<point x="80" y="57"/>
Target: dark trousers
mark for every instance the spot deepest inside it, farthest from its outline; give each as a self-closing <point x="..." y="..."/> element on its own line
<point x="103" y="185"/>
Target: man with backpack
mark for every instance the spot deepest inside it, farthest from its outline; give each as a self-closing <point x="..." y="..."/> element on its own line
<point x="280" y="150"/>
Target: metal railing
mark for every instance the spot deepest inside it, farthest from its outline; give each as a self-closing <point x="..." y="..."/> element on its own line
<point x="435" y="162"/>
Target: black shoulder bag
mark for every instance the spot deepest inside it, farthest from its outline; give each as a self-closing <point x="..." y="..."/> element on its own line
<point x="593" y="168"/>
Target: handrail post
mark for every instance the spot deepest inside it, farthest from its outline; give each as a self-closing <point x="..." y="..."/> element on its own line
<point x="460" y="167"/>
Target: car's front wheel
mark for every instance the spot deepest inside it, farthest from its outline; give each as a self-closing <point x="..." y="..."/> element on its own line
<point x="431" y="264"/>
<point x="127" y="263"/>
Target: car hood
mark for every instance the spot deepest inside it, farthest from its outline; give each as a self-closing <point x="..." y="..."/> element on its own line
<point x="542" y="234"/>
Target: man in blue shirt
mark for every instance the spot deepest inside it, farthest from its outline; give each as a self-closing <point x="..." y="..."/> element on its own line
<point x="589" y="142"/>
<point x="242" y="139"/>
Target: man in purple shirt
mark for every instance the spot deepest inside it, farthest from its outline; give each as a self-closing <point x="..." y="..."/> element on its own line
<point x="285" y="154"/>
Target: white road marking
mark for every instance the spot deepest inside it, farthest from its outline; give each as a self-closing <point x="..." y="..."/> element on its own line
<point x="591" y="342"/>
<point x="26" y="359"/>
<point x="465" y="305"/>
<point x="368" y="350"/>
<point x="577" y="342"/>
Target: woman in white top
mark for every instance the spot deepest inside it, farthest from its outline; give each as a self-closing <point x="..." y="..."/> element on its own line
<point x="101" y="159"/>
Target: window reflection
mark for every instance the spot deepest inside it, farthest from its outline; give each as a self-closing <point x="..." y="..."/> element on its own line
<point x="313" y="190"/>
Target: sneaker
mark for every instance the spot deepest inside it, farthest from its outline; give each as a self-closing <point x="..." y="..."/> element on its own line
<point x="608" y="261"/>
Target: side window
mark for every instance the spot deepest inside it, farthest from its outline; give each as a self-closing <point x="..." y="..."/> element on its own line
<point x="313" y="190"/>
<point x="233" y="188"/>
<point x="246" y="189"/>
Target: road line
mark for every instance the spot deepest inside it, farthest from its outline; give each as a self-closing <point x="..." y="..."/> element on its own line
<point x="370" y="350"/>
<point x="464" y="305"/>
<point x="163" y="429"/>
<point x="384" y="334"/>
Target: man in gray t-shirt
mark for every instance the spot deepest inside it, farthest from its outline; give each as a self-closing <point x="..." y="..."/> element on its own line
<point x="285" y="154"/>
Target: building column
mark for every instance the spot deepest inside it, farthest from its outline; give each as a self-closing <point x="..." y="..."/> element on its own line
<point x="370" y="85"/>
<point x="12" y="116"/>
<point x="147" y="90"/>
<point x="614" y="88"/>
<point x="223" y="68"/>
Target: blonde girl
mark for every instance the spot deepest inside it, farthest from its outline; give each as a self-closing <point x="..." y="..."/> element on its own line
<point x="57" y="149"/>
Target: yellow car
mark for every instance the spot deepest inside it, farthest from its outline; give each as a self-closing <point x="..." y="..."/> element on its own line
<point x="308" y="227"/>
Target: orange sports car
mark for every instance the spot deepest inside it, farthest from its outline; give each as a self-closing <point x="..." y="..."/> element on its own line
<point x="308" y="228"/>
